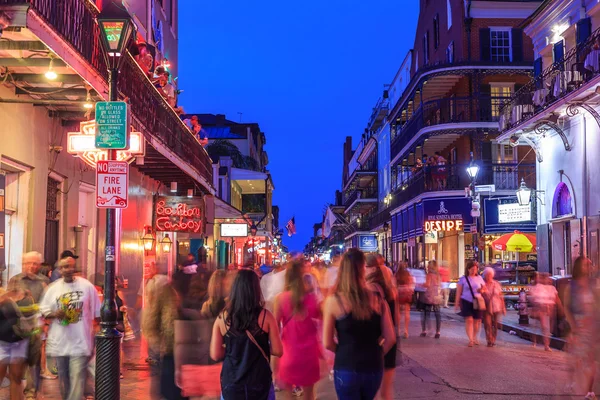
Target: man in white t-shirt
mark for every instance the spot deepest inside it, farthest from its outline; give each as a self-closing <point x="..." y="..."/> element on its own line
<point x="72" y="303"/>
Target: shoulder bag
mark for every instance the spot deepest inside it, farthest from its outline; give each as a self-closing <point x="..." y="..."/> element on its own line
<point x="478" y="301"/>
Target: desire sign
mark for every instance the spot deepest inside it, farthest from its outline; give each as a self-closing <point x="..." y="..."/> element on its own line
<point x="112" y="184"/>
<point x="446" y="225"/>
<point x="179" y="214"/>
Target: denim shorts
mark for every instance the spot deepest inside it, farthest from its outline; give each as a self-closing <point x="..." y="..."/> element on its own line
<point x="350" y="385"/>
<point x="11" y="353"/>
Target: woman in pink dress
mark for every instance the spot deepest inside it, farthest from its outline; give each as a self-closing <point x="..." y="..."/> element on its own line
<point x="295" y="310"/>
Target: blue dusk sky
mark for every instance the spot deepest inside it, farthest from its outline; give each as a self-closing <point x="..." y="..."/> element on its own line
<point x="308" y="72"/>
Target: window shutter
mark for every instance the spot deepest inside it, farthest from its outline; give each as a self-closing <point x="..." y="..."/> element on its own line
<point x="559" y="51"/>
<point x="584" y="30"/>
<point x="484" y="44"/>
<point x="485" y="102"/>
<point x="517" y="44"/>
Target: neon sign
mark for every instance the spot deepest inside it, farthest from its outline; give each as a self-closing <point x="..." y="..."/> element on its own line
<point x="448" y="225"/>
<point x="82" y="144"/>
<point x="179" y="214"/>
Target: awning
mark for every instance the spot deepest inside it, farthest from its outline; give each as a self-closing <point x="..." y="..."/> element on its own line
<point x="224" y="210"/>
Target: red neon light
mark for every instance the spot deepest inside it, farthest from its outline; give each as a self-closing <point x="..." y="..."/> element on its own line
<point x="180" y="217"/>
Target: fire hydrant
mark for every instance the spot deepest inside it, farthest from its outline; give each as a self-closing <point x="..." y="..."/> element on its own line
<point x="523" y="310"/>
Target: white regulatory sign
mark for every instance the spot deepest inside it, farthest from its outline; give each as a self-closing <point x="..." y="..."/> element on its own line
<point x="112" y="184"/>
<point x="513" y="212"/>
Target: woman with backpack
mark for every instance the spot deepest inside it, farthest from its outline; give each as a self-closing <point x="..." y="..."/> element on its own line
<point x="296" y="310"/>
<point x="244" y="336"/>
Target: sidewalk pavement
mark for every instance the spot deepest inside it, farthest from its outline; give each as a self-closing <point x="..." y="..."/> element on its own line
<point x="510" y="323"/>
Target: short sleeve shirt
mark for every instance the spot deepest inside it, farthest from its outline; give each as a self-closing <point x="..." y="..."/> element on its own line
<point x="476" y="283"/>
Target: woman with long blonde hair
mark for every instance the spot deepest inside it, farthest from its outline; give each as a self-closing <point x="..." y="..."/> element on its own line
<point x="216" y="295"/>
<point x="363" y="325"/>
<point x="295" y="310"/>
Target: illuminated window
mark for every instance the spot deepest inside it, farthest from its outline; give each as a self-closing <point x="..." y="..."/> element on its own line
<point x="500" y="44"/>
<point x="500" y="93"/>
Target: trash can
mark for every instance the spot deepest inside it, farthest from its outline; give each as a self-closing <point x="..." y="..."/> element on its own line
<point x="560" y="283"/>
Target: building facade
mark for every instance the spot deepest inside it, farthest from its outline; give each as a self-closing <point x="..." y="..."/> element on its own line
<point x="556" y="114"/>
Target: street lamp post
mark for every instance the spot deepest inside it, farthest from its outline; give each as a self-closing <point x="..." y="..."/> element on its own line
<point x="473" y="171"/>
<point x="116" y="29"/>
<point x="386" y="227"/>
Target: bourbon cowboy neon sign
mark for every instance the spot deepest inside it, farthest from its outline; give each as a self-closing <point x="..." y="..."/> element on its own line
<point x="179" y="214"/>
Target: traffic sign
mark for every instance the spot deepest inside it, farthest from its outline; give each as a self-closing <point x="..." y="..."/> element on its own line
<point x="112" y="184"/>
<point x="111" y="125"/>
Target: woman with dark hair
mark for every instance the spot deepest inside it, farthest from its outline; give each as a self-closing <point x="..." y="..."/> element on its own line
<point x="581" y="298"/>
<point x="244" y="336"/>
<point x="376" y="281"/>
<point x="295" y="310"/>
<point x="363" y="325"/>
<point x="469" y="290"/>
<point x="216" y="295"/>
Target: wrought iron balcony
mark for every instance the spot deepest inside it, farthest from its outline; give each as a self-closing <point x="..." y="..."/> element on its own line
<point x="451" y="110"/>
<point x="379" y="113"/>
<point x="454" y="177"/>
<point x="579" y="67"/>
<point x="74" y="21"/>
<point x="360" y="194"/>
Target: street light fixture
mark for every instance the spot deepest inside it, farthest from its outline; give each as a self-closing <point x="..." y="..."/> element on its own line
<point x="116" y="30"/>
<point x="473" y="170"/>
<point x="524" y="194"/>
<point x="166" y="243"/>
<point x="148" y="239"/>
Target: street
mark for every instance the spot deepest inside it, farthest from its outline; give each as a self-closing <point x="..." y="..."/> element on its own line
<point x="429" y="368"/>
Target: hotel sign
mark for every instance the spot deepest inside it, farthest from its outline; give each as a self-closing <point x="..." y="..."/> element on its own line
<point x="451" y="225"/>
<point x="367" y="243"/>
<point x="179" y="214"/>
<point x="446" y="215"/>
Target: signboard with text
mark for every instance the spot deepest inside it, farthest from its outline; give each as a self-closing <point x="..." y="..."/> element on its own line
<point x="179" y="214"/>
<point x="513" y="212"/>
<point x="112" y="184"/>
<point x="505" y="215"/>
<point x="111" y="125"/>
<point x="449" y="214"/>
<point x="367" y="243"/>
<point x="234" y="230"/>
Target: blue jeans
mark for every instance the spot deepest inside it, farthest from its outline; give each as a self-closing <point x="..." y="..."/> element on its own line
<point x="72" y="373"/>
<point x="351" y="385"/>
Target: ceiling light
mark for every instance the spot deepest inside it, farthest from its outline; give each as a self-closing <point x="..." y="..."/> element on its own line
<point x="190" y="193"/>
<point x="50" y="74"/>
<point x="173" y="187"/>
<point x="88" y="101"/>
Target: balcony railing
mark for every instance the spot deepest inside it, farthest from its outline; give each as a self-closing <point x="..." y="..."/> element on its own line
<point x="75" y="22"/>
<point x="454" y="177"/>
<point x="360" y="194"/>
<point x="580" y="65"/>
<point x="359" y="226"/>
<point x="447" y="111"/>
<point x="379" y="112"/>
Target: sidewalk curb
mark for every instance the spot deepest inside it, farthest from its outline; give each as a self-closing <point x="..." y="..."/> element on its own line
<point x="523" y="331"/>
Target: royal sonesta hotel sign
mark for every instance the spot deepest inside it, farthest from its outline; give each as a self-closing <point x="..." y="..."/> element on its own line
<point x="447" y="215"/>
<point x="179" y="214"/>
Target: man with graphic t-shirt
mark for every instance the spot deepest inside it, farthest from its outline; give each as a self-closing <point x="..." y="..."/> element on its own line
<point x="73" y="304"/>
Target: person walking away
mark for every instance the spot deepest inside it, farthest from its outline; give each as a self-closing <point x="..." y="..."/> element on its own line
<point x="153" y="281"/>
<point x="494" y="306"/>
<point x="244" y="336"/>
<point x="406" y="287"/>
<point x="469" y="290"/>
<point x="73" y="305"/>
<point x="272" y="284"/>
<point x="331" y="275"/>
<point x="31" y="282"/>
<point x="295" y="311"/>
<point x="182" y="278"/>
<point x="382" y="286"/>
<point x="445" y="276"/>
<point x="581" y="298"/>
<point x="545" y="300"/>
<point x="364" y="329"/>
<point x="433" y="299"/>
<point x="216" y="295"/>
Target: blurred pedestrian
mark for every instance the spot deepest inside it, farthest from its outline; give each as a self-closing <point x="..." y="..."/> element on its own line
<point x="244" y="336"/>
<point x="469" y="298"/>
<point x="296" y="310"/>
<point x="364" y="329"/>
<point x="406" y="287"/>
<point x="382" y="286"/>
<point x="159" y="329"/>
<point x="494" y="306"/>
<point x="445" y="276"/>
<point x="215" y="303"/>
<point x="545" y="300"/>
<point x="331" y="275"/>
<point x="13" y="347"/>
<point x="272" y="284"/>
<point x="432" y="299"/>
<point x="73" y="305"/>
<point x="581" y="299"/>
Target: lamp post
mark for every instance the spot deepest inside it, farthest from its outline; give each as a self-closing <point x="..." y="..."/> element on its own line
<point x="253" y="230"/>
<point x="473" y="171"/>
<point x="386" y="227"/>
<point x="524" y="194"/>
<point x="116" y="29"/>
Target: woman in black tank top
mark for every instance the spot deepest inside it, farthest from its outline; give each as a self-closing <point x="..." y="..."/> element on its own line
<point x="364" y="329"/>
<point x="245" y="335"/>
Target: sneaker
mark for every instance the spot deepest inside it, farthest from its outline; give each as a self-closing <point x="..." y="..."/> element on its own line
<point x="437" y="335"/>
<point x="297" y="391"/>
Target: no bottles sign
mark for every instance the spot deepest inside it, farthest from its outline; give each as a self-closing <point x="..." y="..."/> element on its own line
<point x="112" y="184"/>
